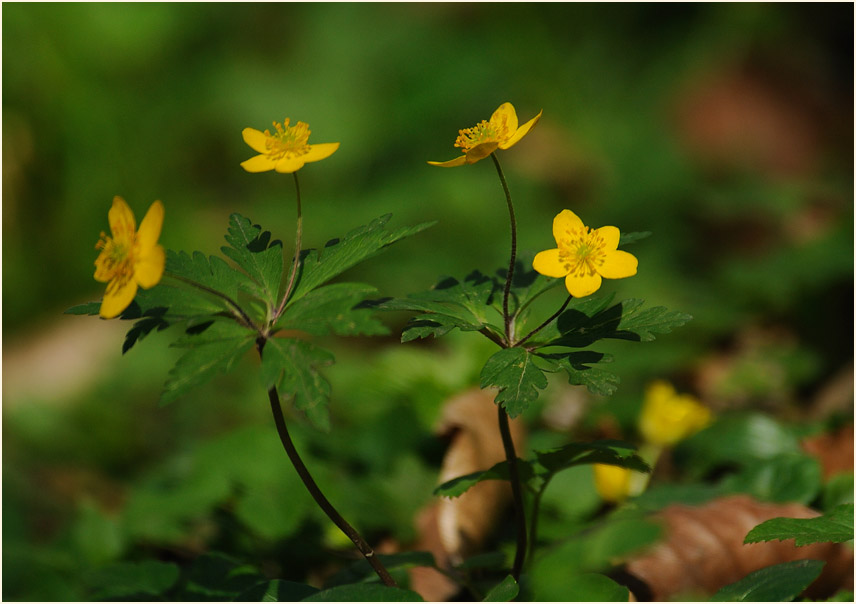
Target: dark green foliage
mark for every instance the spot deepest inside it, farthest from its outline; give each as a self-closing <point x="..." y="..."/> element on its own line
<point x="777" y="583"/>
<point x="513" y="372"/>
<point x="261" y="259"/>
<point x="334" y="309"/>
<point x="505" y="591"/>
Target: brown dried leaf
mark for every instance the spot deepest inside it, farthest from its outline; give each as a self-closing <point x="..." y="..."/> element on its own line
<point x="704" y="551"/>
<point x="833" y="451"/>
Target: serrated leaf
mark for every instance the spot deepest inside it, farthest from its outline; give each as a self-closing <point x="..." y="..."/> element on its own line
<point x="514" y="373"/>
<point x="611" y="452"/>
<point x="627" y="320"/>
<point x="505" y="591"/>
<point x="209" y="271"/>
<point x="576" y="365"/>
<point x="459" y="485"/>
<point x="253" y="251"/>
<point x="210" y="352"/>
<point x="321" y="265"/>
<point x="836" y="526"/>
<point x="365" y="592"/>
<point x="334" y="309"/>
<point x="777" y="583"/>
<point x="293" y="366"/>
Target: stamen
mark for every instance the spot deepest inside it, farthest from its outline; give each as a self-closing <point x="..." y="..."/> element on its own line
<point x="287" y="141"/>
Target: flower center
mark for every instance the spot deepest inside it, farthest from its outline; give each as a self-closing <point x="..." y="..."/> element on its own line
<point x="581" y="251"/>
<point x="494" y="131"/>
<point x="117" y="259"/>
<point x="287" y="141"/>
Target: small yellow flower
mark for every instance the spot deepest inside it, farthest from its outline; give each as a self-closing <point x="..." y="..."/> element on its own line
<point x="129" y="258"/>
<point x="286" y="150"/>
<point x="668" y="417"/>
<point x="501" y="132"/>
<point x="584" y="255"/>
<point x="612" y="482"/>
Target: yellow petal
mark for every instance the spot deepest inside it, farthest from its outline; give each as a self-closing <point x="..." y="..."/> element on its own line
<point x="565" y="222"/>
<point x="148" y="269"/>
<point x="150" y="228"/>
<point x="452" y="163"/>
<point x="255" y="139"/>
<point x="479" y="152"/>
<point x="612" y="482"/>
<point x="102" y="273"/>
<point x="548" y="263"/>
<point x="506" y="111"/>
<point x="287" y="165"/>
<point x="319" y="152"/>
<point x="117" y="298"/>
<point x="259" y="163"/>
<point x="122" y="222"/>
<point x="521" y="132"/>
<point x="610" y="236"/>
<point x="618" y="265"/>
<point x="583" y="285"/>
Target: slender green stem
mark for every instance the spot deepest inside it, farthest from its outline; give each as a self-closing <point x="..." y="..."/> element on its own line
<point x="317" y="495"/>
<point x="509" y="276"/>
<point x="516" y="492"/>
<point x="545" y="323"/>
<point x="533" y="521"/>
<point x="297" y="243"/>
<point x="239" y="312"/>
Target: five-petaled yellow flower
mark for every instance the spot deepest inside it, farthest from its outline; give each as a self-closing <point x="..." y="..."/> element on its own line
<point x="668" y="417"/>
<point x="501" y="132"/>
<point x="584" y="255"/>
<point x="129" y="258"/>
<point x="286" y="150"/>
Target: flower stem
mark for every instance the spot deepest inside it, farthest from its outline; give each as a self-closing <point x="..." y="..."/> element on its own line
<point x="509" y="276"/>
<point x="545" y="323"/>
<point x="516" y="491"/>
<point x="297" y="242"/>
<point x="533" y="522"/>
<point x="318" y="496"/>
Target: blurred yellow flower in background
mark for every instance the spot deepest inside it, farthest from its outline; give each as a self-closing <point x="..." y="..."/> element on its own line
<point x="612" y="482"/>
<point x="129" y="258"/>
<point x="668" y="417"/>
<point x="501" y="132"/>
<point x="286" y="150"/>
<point x="584" y="256"/>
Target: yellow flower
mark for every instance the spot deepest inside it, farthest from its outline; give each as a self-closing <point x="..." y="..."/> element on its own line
<point x="129" y="258"/>
<point x="668" y="417"/>
<point x="286" y="150"/>
<point x="612" y="482"/>
<point x="501" y="132"/>
<point x="584" y="255"/>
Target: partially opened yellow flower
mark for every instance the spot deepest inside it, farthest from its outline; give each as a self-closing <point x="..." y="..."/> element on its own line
<point x="668" y="417"/>
<point x="129" y="258"/>
<point x="501" y="132"/>
<point x="584" y="256"/>
<point x="612" y="482"/>
<point x="286" y="150"/>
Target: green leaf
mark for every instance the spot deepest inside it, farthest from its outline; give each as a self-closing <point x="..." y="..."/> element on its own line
<point x="123" y="579"/>
<point x="293" y="366"/>
<point x="210" y="272"/>
<point x="334" y="309"/>
<point x="576" y="365"/>
<point x="216" y="576"/>
<point x="512" y="371"/>
<point x="836" y="526"/>
<point x="252" y="249"/>
<point x="787" y="477"/>
<point x="319" y="266"/>
<point x="506" y="591"/>
<point x="277" y="591"/>
<point x="450" y="304"/>
<point x="587" y="587"/>
<point x="777" y="583"/>
<point x="459" y="485"/>
<point x="87" y="308"/>
<point x="611" y="452"/>
<point x="210" y="351"/>
<point x="365" y="592"/>
<point x="628" y="238"/>
<point x="361" y="571"/>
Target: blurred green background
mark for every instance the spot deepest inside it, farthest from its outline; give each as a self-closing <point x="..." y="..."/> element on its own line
<point x="725" y="129"/>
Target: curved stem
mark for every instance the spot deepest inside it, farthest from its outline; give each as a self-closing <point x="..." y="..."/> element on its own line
<point x="509" y="276"/>
<point x="545" y="323"/>
<point x="516" y="491"/>
<point x="318" y="496"/>
<point x="297" y="243"/>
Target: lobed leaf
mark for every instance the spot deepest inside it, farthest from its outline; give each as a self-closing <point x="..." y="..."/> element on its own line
<point x="458" y="486"/>
<point x="514" y="373"/>
<point x="576" y="365"/>
<point x="211" y="350"/>
<point x="611" y="452"/>
<point x="836" y="526"/>
<point x="258" y="256"/>
<point x="334" y="309"/>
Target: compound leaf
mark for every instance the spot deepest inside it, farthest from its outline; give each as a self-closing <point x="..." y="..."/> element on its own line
<point x="513" y="371"/>
<point x="334" y="308"/>
<point x="252" y="249"/>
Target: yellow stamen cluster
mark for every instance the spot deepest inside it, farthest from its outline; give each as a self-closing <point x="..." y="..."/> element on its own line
<point x="581" y="251"/>
<point x="494" y="131"/>
<point x="287" y="141"/>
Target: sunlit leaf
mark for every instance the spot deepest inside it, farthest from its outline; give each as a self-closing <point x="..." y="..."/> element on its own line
<point x="836" y="526"/>
<point x="514" y="373"/>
